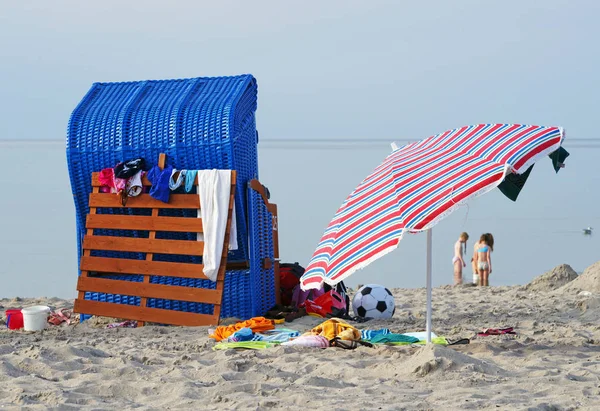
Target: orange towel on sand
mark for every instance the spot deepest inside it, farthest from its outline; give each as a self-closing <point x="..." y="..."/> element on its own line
<point x="256" y="324"/>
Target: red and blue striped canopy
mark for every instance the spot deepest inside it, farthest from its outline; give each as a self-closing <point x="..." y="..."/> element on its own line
<point x="419" y="184"/>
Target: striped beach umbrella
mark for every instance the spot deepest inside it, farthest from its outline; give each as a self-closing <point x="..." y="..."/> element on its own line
<point x="419" y="184"/>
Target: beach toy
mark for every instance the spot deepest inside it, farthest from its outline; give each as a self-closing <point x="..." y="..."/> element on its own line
<point x="14" y="319"/>
<point x="373" y="301"/>
<point x="35" y="318"/>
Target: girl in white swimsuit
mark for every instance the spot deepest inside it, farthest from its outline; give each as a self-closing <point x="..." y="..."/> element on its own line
<point x="458" y="261"/>
<point x="474" y="263"/>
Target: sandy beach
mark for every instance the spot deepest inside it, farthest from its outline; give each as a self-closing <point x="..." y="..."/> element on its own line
<point x="552" y="363"/>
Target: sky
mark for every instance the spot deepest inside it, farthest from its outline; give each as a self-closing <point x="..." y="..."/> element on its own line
<point x="382" y="70"/>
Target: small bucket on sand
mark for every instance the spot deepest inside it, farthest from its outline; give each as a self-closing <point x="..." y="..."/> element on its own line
<point x="14" y="319"/>
<point x="35" y="318"/>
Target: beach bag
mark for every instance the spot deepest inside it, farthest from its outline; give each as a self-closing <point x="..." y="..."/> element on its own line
<point x="289" y="279"/>
<point x="326" y="304"/>
<point x="331" y="300"/>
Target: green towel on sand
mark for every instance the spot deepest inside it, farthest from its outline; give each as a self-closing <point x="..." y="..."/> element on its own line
<point x="436" y="340"/>
<point x="248" y="345"/>
<point x="393" y="338"/>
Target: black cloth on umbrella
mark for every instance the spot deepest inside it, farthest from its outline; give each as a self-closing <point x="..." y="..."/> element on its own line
<point x="512" y="184"/>
<point x="558" y="158"/>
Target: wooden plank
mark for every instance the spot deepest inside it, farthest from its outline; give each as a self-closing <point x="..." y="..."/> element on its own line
<point x="168" y="292"/>
<point x="272" y="208"/>
<point x="267" y="263"/>
<point x="191" y="201"/>
<point x="87" y="252"/>
<point x="162" y="158"/>
<point x="128" y="266"/>
<point x="144" y="223"/>
<point x="260" y="189"/>
<point x="223" y="266"/>
<point x="155" y="315"/>
<point x="143" y="245"/>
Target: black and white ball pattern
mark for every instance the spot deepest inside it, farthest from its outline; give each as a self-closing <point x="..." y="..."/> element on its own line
<point x="373" y="301"/>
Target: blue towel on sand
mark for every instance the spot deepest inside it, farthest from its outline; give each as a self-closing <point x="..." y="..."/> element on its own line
<point x="244" y="334"/>
<point x="393" y="338"/>
<point x="277" y="335"/>
<point x="368" y="335"/>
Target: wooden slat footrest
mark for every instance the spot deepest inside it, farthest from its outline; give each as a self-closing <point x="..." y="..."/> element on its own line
<point x="149" y="266"/>
<point x="143" y="223"/>
<point x="143" y="245"/>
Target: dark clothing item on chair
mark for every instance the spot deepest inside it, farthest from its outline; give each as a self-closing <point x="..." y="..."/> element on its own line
<point x="160" y="183"/>
<point x="512" y="184"/>
<point x="129" y="168"/>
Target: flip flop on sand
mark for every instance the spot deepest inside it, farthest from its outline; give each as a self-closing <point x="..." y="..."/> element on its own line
<point x="348" y="344"/>
<point x="295" y="315"/>
<point x="124" y="324"/>
<point x="459" y="342"/>
<point x="278" y="312"/>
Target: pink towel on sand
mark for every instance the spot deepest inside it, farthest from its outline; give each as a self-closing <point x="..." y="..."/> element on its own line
<point x="316" y="341"/>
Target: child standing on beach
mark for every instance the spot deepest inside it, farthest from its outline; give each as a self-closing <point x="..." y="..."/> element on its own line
<point x="484" y="258"/>
<point x="489" y="239"/>
<point x="457" y="261"/>
<point x="474" y="263"/>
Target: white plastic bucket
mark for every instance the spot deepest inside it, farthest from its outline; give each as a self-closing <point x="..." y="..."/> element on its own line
<point x="35" y="318"/>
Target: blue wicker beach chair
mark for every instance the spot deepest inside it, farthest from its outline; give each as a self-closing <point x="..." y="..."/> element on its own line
<point x="200" y="123"/>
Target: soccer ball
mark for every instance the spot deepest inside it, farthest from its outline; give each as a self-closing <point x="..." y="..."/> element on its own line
<point x="373" y="301"/>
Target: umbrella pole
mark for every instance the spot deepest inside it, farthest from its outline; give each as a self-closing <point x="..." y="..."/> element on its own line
<point x="428" y="324"/>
